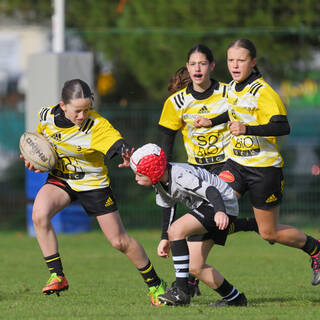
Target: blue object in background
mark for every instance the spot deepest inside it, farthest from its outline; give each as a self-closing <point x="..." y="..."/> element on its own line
<point x="34" y="181"/>
<point x="72" y="219"/>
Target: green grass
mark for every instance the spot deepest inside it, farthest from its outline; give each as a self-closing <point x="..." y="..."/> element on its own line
<point x="104" y="285"/>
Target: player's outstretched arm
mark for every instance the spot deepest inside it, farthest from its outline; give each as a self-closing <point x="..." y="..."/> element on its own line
<point x="126" y="155"/>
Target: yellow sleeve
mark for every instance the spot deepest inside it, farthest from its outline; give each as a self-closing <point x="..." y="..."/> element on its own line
<point x="39" y="125"/>
<point x="269" y="104"/>
<point x="171" y="116"/>
<point x="39" y="128"/>
<point x="104" y="136"/>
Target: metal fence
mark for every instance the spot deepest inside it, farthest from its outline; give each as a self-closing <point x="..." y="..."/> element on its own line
<point x="138" y="125"/>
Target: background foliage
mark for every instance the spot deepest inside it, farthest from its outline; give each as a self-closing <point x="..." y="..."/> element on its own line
<point x="148" y="40"/>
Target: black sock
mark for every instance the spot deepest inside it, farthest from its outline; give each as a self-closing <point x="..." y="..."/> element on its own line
<point x="312" y="246"/>
<point x="244" y="224"/>
<point x="54" y="264"/>
<point x="180" y="257"/>
<point x="192" y="279"/>
<point x="227" y="291"/>
<point x="149" y="275"/>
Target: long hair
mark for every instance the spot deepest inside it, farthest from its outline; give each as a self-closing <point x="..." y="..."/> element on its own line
<point x="179" y="80"/>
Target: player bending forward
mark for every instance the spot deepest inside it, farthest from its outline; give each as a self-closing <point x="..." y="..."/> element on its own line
<point x="213" y="206"/>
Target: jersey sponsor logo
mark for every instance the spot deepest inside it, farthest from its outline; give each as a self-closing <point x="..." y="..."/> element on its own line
<point x="204" y="109"/>
<point x="209" y="146"/>
<point x="210" y="160"/>
<point x="57" y="136"/>
<point x="226" y="176"/>
<point x="246" y="153"/>
<point x="272" y="198"/>
<point x="246" y="146"/>
<point x="109" y="202"/>
<point x="68" y="176"/>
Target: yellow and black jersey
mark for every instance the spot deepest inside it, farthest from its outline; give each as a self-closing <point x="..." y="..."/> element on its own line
<point x="203" y="145"/>
<point x="80" y="149"/>
<point x="254" y="103"/>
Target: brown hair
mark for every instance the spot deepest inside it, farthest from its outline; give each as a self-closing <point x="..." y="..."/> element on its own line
<point x="179" y="80"/>
<point x="246" y="44"/>
<point x="75" y="89"/>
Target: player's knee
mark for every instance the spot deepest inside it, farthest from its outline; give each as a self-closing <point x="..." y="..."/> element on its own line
<point x="268" y="235"/>
<point x="120" y="243"/>
<point x="174" y="233"/>
<point x="40" y="219"/>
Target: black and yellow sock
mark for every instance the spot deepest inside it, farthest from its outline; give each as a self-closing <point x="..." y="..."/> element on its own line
<point x="312" y="246"/>
<point x="243" y="224"/>
<point x="54" y="264"/>
<point x="149" y="275"/>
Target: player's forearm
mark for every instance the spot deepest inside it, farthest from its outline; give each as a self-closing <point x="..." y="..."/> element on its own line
<point x="222" y="118"/>
<point x="277" y="126"/>
<point x="168" y="215"/>
<point x="168" y="137"/>
<point x="214" y="197"/>
<point x="118" y="148"/>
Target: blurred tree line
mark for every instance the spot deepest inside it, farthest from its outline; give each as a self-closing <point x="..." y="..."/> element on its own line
<point x="146" y="41"/>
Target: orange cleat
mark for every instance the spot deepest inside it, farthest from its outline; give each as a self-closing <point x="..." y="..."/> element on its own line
<point x="55" y="284"/>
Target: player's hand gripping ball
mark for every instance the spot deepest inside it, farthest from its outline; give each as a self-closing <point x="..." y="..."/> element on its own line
<point x="36" y="149"/>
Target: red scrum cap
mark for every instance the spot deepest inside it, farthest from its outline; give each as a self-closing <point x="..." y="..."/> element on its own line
<point x="149" y="160"/>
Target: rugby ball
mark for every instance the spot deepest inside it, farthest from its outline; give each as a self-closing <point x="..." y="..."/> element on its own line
<point x="36" y="149"/>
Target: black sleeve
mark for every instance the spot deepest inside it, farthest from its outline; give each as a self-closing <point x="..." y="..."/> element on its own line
<point x="168" y="215"/>
<point x="167" y="142"/>
<point x="277" y="126"/>
<point x="214" y="196"/>
<point x="117" y="148"/>
<point x="222" y="118"/>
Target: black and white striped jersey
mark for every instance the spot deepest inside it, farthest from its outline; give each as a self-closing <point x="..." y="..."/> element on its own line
<point x="188" y="184"/>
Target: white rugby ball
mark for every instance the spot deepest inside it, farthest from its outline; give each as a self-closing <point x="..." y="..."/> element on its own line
<point x="36" y="149"/>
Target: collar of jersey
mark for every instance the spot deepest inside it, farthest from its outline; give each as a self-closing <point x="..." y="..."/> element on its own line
<point x="167" y="186"/>
<point x="59" y="119"/>
<point x="203" y="95"/>
<point x="253" y="76"/>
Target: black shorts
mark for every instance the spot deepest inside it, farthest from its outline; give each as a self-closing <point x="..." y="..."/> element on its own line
<point x="216" y="169"/>
<point x="205" y="215"/>
<point x="95" y="202"/>
<point x="212" y="168"/>
<point x="265" y="184"/>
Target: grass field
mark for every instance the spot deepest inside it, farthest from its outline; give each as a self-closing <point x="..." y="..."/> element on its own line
<point x="104" y="285"/>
